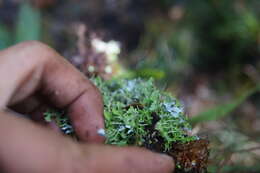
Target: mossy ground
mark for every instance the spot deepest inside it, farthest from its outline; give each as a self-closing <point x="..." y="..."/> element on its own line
<point x="137" y="113"/>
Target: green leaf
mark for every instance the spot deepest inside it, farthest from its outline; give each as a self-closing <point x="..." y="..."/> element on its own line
<point x="48" y="116"/>
<point x="222" y="110"/>
<point x="107" y="115"/>
<point x="151" y="72"/>
<point x="29" y="23"/>
<point x="5" y="37"/>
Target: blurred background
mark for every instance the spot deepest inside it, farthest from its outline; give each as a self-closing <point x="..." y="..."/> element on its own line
<point x="206" y="53"/>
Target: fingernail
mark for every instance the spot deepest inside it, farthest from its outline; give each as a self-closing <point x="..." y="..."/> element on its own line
<point x="101" y="132"/>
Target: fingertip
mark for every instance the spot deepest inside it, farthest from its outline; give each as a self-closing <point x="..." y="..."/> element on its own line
<point x="126" y="159"/>
<point x="91" y="136"/>
<point x="87" y="129"/>
<point x="157" y="162"/>
<point x="144" y="160"/>
<point x="86" y="114"/>
<point x="166" y="163"/>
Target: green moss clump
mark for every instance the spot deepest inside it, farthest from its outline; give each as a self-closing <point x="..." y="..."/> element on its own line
<point x="130" y="110"/>
<point x="135" y="110"/>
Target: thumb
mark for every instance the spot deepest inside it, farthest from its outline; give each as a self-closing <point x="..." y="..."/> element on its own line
<point x="106" y="159"/>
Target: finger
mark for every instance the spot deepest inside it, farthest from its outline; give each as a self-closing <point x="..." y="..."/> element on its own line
<point x="103" y="159"/>
<point x="32" y="67"/>
<point x="34" y="107"/>
<point x="86" y="117"/>
<point x="44" y="151"/>
<point x="54" y="127"/>
<point x="50" y="152"/>
<point x="28" y="105"/>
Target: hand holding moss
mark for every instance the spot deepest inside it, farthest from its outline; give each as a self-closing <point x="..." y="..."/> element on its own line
<point x="33" y="75"/>
<point x="139" y="114"/>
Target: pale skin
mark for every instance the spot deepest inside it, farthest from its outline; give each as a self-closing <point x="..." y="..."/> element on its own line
<point x="33" y="75"/>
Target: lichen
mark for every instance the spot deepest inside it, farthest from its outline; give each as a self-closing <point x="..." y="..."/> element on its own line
<point x="128" y="106"/>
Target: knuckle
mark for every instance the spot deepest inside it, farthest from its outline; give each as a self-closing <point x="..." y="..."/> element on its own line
<point x="36" y="50"/>
<point x="31" y="44"/>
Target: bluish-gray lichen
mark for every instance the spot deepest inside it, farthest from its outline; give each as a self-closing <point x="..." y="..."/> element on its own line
<point x="129" y="106"/>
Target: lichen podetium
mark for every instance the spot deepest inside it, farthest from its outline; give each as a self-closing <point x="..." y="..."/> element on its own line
<point x="137" y="113"/>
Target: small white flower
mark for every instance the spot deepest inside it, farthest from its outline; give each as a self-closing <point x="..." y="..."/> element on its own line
<point x="91" y="68"/>
<point x="108" y="69"/>
<point x="99" y="45"/>
<point x="111" y="48"/>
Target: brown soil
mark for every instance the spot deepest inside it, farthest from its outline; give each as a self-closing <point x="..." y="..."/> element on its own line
<point x="190" y="157"/>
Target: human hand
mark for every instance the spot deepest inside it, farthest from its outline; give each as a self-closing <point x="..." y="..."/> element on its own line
<point x="32" y="75"/>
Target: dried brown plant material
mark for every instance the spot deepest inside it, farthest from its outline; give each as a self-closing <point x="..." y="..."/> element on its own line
<point x="88" y="60"/>
<point x="191" y="157"/>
